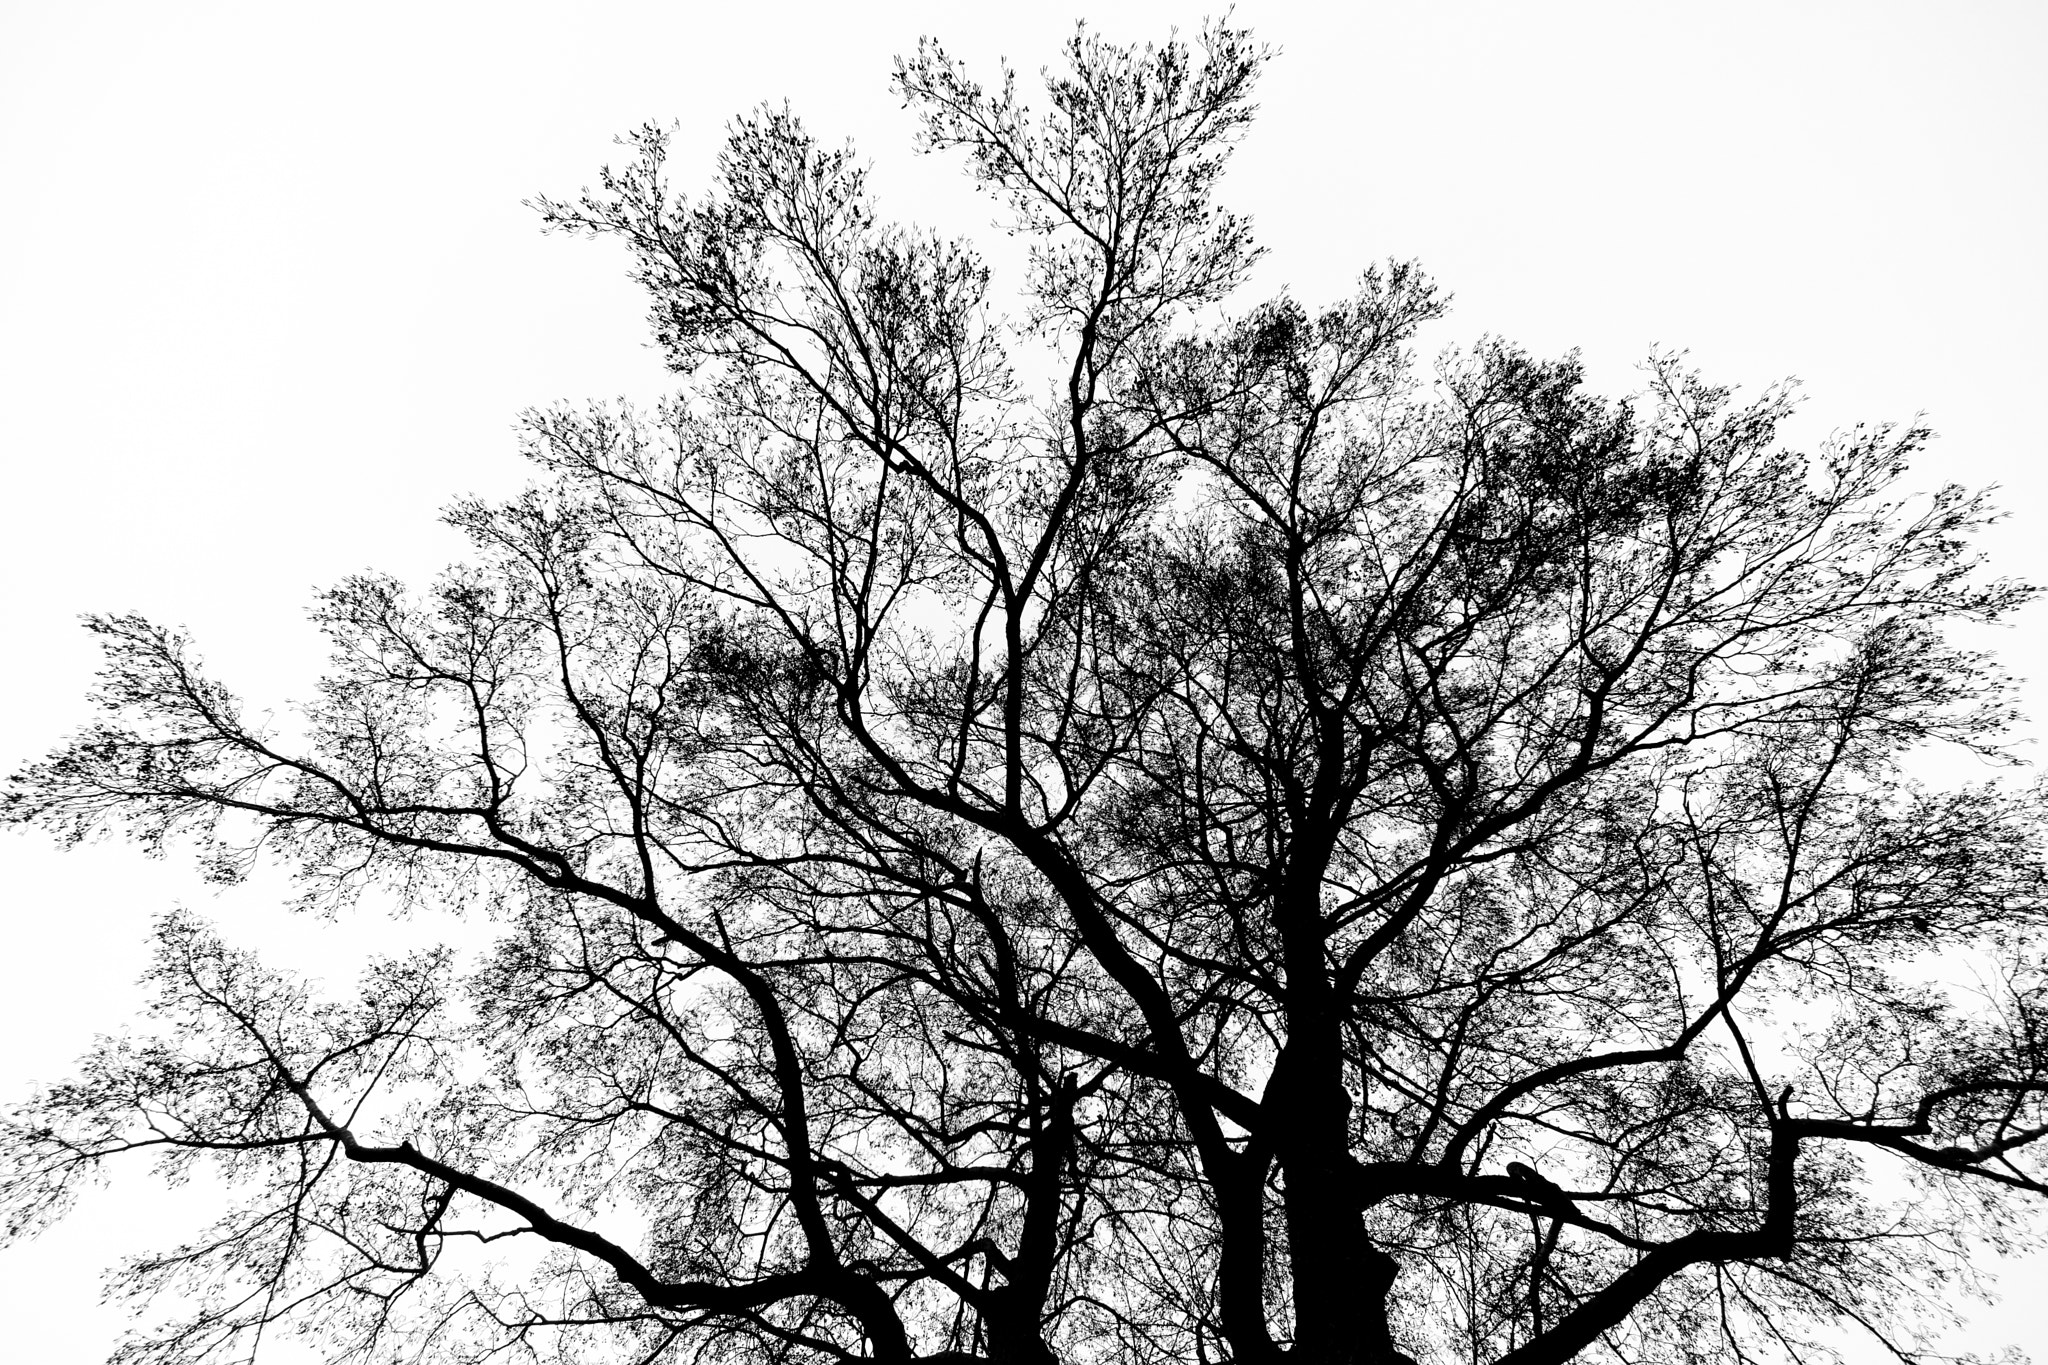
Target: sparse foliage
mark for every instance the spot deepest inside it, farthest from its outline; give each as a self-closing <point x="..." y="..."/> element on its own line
<point x="1135" y="833"/>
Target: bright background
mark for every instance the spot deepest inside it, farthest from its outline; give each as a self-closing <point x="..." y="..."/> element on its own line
<point x="268" y="298"/>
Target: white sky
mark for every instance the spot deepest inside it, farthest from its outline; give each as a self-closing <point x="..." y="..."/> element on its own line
<point x="268" y="299"/>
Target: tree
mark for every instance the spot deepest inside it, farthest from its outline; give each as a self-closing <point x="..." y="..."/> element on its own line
<point x="1141" y="833"/>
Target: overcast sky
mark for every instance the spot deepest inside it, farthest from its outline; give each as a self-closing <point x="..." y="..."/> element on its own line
<point x="269" y="298"/>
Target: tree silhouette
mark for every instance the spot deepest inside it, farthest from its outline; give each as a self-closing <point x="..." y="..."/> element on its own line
<point x="1130" y="833"/>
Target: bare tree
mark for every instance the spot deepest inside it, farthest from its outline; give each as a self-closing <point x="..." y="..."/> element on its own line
<point x="1139" y="833"/>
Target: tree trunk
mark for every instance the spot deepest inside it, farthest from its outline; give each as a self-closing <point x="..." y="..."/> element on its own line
<point x="1342" y="1282"/>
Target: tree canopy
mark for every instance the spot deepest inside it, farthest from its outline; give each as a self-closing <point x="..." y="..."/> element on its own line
<point x="1135" y="829"/>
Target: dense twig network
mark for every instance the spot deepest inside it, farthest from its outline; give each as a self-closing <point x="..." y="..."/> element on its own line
<point x="1130" y="832"/>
